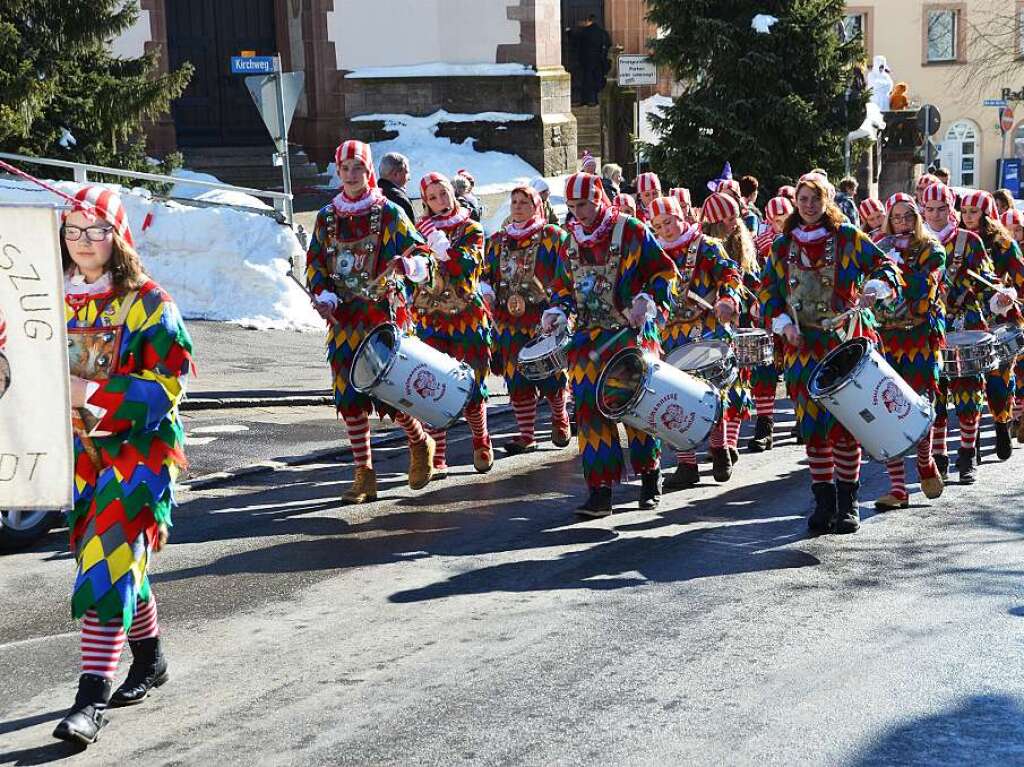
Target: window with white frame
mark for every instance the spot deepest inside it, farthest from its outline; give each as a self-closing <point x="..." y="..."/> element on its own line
<point x="959" y="152"/>
<point x="943" y="27"/>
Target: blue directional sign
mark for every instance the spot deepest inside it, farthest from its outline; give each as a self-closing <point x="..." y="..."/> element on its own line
<point x="995" y="102"/>
<point x="252" y="65"/>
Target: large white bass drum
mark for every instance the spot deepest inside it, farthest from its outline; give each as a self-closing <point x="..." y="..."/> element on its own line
<point x="875" y="404"/>
<point x="411" y="376"/>
<point x="653" y="396"/>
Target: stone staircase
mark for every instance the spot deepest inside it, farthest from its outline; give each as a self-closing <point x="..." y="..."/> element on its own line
<point x="589" y="130"/>
<point x="253" y="166"/>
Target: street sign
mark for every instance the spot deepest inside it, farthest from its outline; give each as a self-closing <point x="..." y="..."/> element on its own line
<point x="1006" y="119"/>
<point x="253" y="65"/>
<point x="635" y="71"/>
<point x="995" y="102"/>
<point x="263" y="90"/>
<point x="929" y="120"/>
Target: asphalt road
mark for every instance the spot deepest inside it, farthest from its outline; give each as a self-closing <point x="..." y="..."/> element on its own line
<point x="476" y="622"/>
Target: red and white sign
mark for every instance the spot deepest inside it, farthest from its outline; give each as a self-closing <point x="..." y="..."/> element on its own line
<point x="1006" y="119"/>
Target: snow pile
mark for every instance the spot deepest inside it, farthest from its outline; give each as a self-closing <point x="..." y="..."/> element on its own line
<point x="217" y="263"/>
<point x="655" y="105"/>
<point x="184" y="190"/>
<point x="495" y="172"/>
<point x="442" y="69"/>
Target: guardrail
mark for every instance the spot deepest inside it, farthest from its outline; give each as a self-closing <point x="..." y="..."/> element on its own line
<point x="282" y="201"/>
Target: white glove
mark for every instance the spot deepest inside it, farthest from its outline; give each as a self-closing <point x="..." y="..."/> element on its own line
<point x="780" y="323"/>
<point x="439" y="243"/>
<point x="643" y="309"/>
<point x="415" y="268"/>
<point x="1002" y="301"/>
<point x="552" y="320"/>
<point x="327" y="298"/>
<point x="725" y="309"/>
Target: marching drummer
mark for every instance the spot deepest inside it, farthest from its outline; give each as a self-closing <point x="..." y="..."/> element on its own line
<point x="978" y="210"/>
<point x="721" y="219"/>
<point x="707" y="299"/>
<point x="450" y="313"/>
<point x="522" y="260"/>
<point x="619" y="281"/>
<point x="822" y="279"/>
<point x="913" y="331"/>
<point x="363" y="254"/>
<point x="963" y="299"/>
<point x="1013" y="220"/>
<point x="764" y="379"/>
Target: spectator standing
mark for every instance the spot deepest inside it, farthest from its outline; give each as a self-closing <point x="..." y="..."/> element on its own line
<point x="394" y="175"/>
<point x="591" y="43"/>
<point x="846" y="200"/>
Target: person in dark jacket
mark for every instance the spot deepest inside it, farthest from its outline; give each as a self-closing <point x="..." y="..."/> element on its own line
<point x="846" y="199"/>
<point x="591" y="43"/>
<point x="394" y="175"/>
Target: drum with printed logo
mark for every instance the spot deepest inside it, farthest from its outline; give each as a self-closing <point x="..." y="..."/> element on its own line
<point x="648" y="394"/>
<point x="871" y="400"/>
<point x="411" y="376"/>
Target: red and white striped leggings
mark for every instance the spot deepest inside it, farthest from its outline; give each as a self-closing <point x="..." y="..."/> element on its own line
<point x="101" y="643"/>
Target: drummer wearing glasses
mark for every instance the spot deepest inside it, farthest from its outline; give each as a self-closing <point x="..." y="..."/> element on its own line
<point x="963" y="299"/>
<point x="821" y="281"/>
<point x="913" y="331"/>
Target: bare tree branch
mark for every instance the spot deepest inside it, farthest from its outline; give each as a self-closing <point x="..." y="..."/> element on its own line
<point x="994" y="51"/>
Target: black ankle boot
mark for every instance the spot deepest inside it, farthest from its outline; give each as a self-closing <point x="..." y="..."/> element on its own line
<point x="762" y="439"/>
<point x="824" y="513"/>
<point x="965" y="465"/>
<point x="148" y="670"/>
<point x="847" y="512"/>
<point x="1004" y="442"/>
<point x="686" y="475"/>
<point x="942" y="462"/>
<point x="721" y="464"/>
<point x="85" y="718"/>
<point x="599" y="504"/>
<point x="650" y="490"/>
<point x="734" y="456"/>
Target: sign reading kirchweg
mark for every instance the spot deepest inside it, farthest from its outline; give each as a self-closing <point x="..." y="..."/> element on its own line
<point x="637" y="70"/>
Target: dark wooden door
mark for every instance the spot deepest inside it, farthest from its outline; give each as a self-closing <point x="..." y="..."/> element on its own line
<point x="573" y="12"/>
<point x="216" y="109"/>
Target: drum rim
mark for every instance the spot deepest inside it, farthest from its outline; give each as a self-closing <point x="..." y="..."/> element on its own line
<point x="397" y="332"/>
<point x="729" y="351"/>
<point x="560" y="346"/>
<point x="816" y="392"/>
<point x="637" y="395"/>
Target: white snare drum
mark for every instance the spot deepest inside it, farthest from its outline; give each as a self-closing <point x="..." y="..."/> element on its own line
<point x="544" y="356"/>
<point x="754" y="348"/>
<point x="875" y="404"/>
<point x="710" y="360"/>
<point x="650" y="395"/>
<point x="405" y="373"/>
<point x="1009" y="342"/>
<point x="969" y="353"/>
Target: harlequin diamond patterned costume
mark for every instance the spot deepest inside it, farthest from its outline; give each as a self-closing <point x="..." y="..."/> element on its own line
<point x="963" y="299"/>
<point x="131" y="344"/>
<point x="522" y="262"/>
<point x="450" y="313"/>
<point x="817" y="270"/>
<point x="708" y="277"/>
<point x="1013" y="219"/>
<point x="619" y="277"/>
<point x="913" y="333"/>
<point x="357" y="243"/>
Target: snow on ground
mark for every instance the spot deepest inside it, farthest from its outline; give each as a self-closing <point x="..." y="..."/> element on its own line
<point x="217" y="263"/>
<point x="187" y="191"/>
<point x="441" y="69"/>
<point x="557" y="198"/>
<point x="417" y="139"/>
<point x="655" y="105"/>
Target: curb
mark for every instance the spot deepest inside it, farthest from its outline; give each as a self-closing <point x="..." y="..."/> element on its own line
<point x="224" y="403"/>
<point x="388" y="438"/>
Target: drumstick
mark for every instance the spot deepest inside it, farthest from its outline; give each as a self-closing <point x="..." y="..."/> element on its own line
<point x="989" y="284"/>
<point x="597" y="353"/>
<point x="839" y="319"/>
<point x="698" y="300"/>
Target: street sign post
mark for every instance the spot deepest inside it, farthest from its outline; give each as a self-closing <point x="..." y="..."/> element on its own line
<point x="928" y="122"/>
<point x="636" y="72"/>
<point x="1005" y="125"/>
<point x="276" y="95"/>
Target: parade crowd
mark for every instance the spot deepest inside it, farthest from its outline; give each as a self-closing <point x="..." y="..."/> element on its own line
<point x="713" y="306"/>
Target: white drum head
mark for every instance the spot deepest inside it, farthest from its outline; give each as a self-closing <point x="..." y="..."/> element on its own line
<point x="698" y="355"/>
<point x="539" y="347"/>
<point x="967" y="338"/>
<point x="373" y="357"/>
<point x="5" y="375"/>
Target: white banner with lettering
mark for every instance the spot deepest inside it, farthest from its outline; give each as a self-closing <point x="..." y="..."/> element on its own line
<point x="36" y="448"/>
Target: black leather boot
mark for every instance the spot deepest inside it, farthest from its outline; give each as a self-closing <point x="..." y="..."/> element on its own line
<point x="721" y="464"/>
<point x="824" y="513"/>
<point x="734" y="456"/>
<point x="599" y="504"/>
<point x="942" y="462"/>
<point x="763" y="437"/>
<point x="85" y="718"/>
<point x="148" y="670"/>
<point x="847" y="512"/>
<point x="965" y="465"/>
<point x="1004" y="441"/>
<point x="686" y="475"/>
<point x="650" y="490"/>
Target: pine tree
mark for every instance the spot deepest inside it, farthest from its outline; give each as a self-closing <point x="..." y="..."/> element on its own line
<point x="775" y="105"/>
<point x="58" y="77"/>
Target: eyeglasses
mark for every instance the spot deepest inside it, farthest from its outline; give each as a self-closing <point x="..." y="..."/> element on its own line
<point x="92" y="233"/>
<point x="903" y="218"/>
<point x="940" y="210"/>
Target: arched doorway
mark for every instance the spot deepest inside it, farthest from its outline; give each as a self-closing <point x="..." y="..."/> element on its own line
<point x="961" y="153"/>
